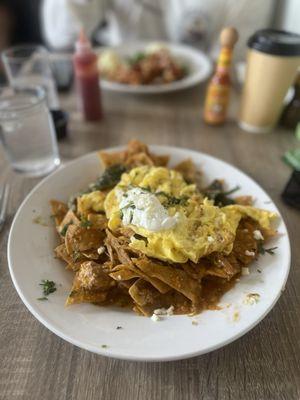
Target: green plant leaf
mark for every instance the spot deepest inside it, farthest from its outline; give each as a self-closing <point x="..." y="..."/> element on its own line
<point x="292" y="158"/>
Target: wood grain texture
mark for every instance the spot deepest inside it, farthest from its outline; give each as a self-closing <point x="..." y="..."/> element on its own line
<point x="264" y="364"/>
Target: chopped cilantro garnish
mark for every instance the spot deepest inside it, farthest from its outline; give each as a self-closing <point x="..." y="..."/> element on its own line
<point x="85" y="223"/>
<point x="129" y="205"/>
<point x="131" y="217"/>
<point x="216" y="192"/>
<point x="76" y="255"/>
<point x="65" y="228"/>
<point x="146" y="188"/>
<point x="42" y="298"/>
<point x="48" y="287"/>
<point x="263" y="251"/>
<point x="110" y="177"/>
<point x="172" y="200"/>
<point x="136" y="58"/>
<point x="140" y="237"/>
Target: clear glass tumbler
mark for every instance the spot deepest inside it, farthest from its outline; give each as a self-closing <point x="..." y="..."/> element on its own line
<point x="29" y="65"/>
<point x="27" y="132"/>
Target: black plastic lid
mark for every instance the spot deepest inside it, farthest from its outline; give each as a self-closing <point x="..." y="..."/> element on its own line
<point x="272" y="41"/>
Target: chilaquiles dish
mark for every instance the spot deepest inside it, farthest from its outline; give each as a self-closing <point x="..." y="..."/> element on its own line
<point x="147" y="236"/>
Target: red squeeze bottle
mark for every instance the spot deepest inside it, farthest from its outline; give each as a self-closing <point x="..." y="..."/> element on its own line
<point x="87" y="79"/>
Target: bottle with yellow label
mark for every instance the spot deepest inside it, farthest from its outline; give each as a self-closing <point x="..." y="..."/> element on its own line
<point x="217" y="95"/>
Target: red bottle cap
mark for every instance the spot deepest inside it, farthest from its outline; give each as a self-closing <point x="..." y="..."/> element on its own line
<point x="83" y="45"/>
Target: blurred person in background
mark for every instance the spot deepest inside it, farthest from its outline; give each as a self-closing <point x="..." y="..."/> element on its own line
<point x="19" y="23"/>
<point x="194" y="22"/>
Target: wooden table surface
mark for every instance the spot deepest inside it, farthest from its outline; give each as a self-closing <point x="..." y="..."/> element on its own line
<point x="264" y="364"/>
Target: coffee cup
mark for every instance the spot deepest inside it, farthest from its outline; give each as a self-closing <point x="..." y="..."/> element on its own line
<point x="273" y="59"/>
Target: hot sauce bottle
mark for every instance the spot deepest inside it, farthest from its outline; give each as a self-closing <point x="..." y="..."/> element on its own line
<point x="87" y="79"/>
<point x="218" y="90"/>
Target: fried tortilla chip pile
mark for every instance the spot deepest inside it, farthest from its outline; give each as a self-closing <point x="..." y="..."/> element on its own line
<point x="108" y="271"/>
<point x="145" y="69"/>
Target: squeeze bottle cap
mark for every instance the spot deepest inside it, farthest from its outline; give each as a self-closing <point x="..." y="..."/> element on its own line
<point x="82" y="45"/>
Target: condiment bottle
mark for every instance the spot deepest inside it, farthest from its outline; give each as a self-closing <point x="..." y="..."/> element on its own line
<point x="218" y="90"/>
<point x="87" y="79"/>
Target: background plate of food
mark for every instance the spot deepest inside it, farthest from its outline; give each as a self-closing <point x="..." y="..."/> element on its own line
<point x="152" y="67"/>
<point x="145" y="259"/>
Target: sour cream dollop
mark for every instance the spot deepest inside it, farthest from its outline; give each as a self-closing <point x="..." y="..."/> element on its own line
<point x="142" y="208"/>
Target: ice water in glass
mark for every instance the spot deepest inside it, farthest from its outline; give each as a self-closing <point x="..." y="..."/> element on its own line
<point x="29" y="65"/>
<point x="27" y="132"/>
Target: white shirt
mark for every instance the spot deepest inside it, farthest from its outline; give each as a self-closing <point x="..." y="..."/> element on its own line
<point x="195" y="22"/>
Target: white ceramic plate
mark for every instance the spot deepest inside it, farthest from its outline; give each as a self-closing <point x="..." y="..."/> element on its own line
<point x="30" y="256"/>
<point x="197" y="62"/>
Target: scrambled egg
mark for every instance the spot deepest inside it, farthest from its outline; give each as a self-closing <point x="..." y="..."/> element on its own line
<point x="155" y="47"/>
<point x="201" y="227"/>
<point x="90" y="202"/>
<point x="109" y="61"/>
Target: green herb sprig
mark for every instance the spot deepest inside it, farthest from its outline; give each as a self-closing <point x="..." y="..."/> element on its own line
<point x="172" y="200"/>
<point x="76" y="256"/>
<point x="140" y="237"/>
<point x="64" y="229"/>
<point x="110" y="177"/>
<point x="136" y="58"/>
<point x="85" y="223"/>
<point x="48" y="288"/>
<point x="263" y="250"/>
<point x="215" y="191"/>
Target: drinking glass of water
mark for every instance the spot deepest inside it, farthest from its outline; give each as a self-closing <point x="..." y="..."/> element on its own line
<point x="29" y="65"/>
<point x="26" y="131"/>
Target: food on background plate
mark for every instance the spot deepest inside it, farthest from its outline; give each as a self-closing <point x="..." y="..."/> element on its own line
<point x="153" y="237"/>
<point x="154" y="65"/>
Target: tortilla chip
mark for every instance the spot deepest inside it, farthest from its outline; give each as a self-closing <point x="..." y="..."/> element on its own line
<point x="225" y="267"/>
<point x="73" y="261"/>
<point x="188" y="170"/>
<point x="173" y="277"/>
<point x="147" y="299"/>
<point x="91" y="254"/>
<point x="245" y="242"/>
<point x="62" y="254"/>
<point x="90" y="284"/>
<point x="137" y="273"/>
<point x="124" y="274"/>
<point x="85" y="296"/>
<point x="99" y="221"/>
<point x="136" y="154"/>
<point x="143" y="292"/>
<point x="109" y="159"/>
<point x="160" y="161"/>
<point x="134" y="146"/>
<point x="69" y="219"/>
<point x="195" y="271"/>
<point x="137" y="160"/>
<point x="121" y="252"/>
<point x="59" y="210"/>
<point x="79" y="239"/>
<point x="244" y="200"/>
